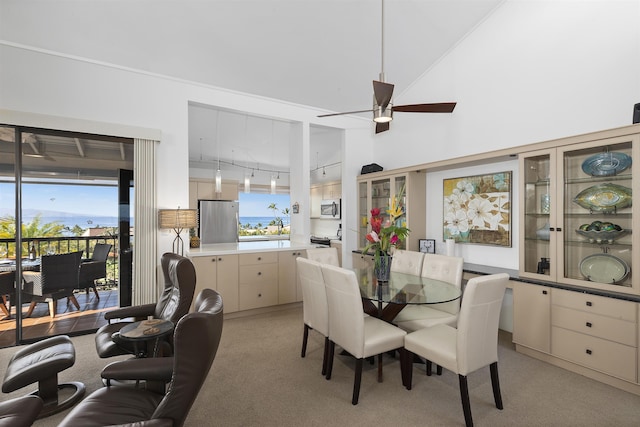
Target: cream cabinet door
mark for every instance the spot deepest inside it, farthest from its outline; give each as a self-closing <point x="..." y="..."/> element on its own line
<point x="288" y="286"/>
<point x="532" y="316"/>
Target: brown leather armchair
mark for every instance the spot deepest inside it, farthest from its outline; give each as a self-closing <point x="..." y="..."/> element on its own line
<point x="175" y="301"/>
<point x="20" y="411"/>
<point x="196" y="339"/>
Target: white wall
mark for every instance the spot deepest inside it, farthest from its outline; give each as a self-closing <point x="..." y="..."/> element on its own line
<point x="47" y="83"/>
<point x="532" y="71"/>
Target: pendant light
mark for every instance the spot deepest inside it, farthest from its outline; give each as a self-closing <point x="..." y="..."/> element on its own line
<point x="218" y="188"/>
<point x="273" y="177"/>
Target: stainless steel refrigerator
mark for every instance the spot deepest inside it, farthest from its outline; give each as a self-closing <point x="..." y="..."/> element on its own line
<point x="218" y="221"/>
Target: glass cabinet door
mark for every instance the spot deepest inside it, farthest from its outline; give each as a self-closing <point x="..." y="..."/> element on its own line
<point x="537" y="252"/>
<point x="399" y="186"/>
<point x="363" y="213"/>
<point x="381" y="196"/>
<point x="597" y="213"/>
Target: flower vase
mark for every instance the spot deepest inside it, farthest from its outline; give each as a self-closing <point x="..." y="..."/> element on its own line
<point x="382" y="268"/>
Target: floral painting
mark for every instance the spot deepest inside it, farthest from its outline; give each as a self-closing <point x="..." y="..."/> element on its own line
<point x="477" y="209"/>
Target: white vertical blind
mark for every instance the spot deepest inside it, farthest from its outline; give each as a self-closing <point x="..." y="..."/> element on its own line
<point x="145" y="283"/>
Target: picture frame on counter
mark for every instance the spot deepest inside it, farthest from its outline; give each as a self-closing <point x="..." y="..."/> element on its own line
<point x="427" y="246"/>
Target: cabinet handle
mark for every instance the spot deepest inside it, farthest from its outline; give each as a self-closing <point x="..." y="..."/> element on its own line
<point x="259" y="258"/>
<point x="558" y="229"/>
<point x="552" y="229"/>
<point x="213" y="260"/>
<point x="588" y="351"/>
<point x="544" y="292"/>
<point x="259" y="295"/>
<point x="589" y="304"/>
<point x="219" y="259"/>
<point x="588" y="324"/>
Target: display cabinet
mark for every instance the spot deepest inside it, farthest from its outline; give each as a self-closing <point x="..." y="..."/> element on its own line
<point x="576" y="213"/>
<point x="378" y="189"/>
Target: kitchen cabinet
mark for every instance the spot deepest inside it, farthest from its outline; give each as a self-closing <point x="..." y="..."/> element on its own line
<point x="220" y="273"/>
<point x="531" y="316"/>
<point x="205" y="189"/>
<point x="315" y="200"/>
<point x="331" y="191"/>
<point x="377" y="190"/>
<point x="288" y="284"/>
<point x="576" y="213"/>
<point x="258" y="280"/>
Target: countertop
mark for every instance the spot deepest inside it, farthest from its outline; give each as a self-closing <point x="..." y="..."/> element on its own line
<point x="248" y="247"/>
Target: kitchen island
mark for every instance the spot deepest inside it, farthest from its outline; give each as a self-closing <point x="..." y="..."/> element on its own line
<point x="250" y="274"/>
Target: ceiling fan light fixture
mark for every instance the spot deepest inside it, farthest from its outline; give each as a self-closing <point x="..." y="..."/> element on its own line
<point x="382" y="115"/>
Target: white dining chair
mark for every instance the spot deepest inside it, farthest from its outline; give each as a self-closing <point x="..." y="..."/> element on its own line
<point x="324" y="256"/>
<point x="470" y="346"/>
<point x="359" y="335"/>
<point x="409" y="262"/>
<point x="439" y="267"/>
<point x="314" y="304"/>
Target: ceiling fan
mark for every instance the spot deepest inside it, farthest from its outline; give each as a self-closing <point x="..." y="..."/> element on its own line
<point x="383" y="108"/>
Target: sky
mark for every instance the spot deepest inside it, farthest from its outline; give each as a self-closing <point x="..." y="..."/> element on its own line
<point x="255" y="204"/>
<point x="79" y="199"/>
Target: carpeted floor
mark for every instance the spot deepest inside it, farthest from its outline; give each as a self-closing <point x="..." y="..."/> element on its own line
<point x="259" y="379"/>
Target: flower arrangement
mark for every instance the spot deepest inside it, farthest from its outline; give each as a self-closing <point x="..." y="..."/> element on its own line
<point x="386" y="234"/>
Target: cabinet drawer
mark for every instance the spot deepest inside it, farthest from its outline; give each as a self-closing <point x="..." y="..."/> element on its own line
<point x="611" y="307"/>
<point x="258" y="258"/>
<point x="595" y="325"/>
<point x="251" y="274"/>
<point x="601" y="355"/>
<point x="256" y="295"/>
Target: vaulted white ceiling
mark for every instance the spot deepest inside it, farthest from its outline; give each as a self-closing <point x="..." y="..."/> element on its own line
<point x="318" y="53"/>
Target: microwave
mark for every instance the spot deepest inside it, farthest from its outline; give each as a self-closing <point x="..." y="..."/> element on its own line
<point x="330" y="209"/>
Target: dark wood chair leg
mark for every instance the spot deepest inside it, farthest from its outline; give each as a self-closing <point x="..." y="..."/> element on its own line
<point x="332" y="349"/>
<point x="95" y="291"/>
<point x="495" y="383"/>
<point x="380" y="368"/>
<point x="438" y="370"/>
<point x="74" y="301"/>
<point x="30" y="310"/>
<point x="305" y="336"/>
<point x="466" y="404"/>
<point x="356" y="382"/>
<point x="429" y="371"/>
<point x="3" y="306"/>
<point x="325" y="356"/>
<point x="408" y="372"/>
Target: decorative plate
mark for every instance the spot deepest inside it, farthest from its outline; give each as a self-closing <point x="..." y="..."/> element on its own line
<point x="606" y="164"/>
<point x="604" y="197"/>
<point x="604" y="268"/>
<point x="603" y="236"/>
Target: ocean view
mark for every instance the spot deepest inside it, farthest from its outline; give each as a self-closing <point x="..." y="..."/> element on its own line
<point x="112" y="221"/>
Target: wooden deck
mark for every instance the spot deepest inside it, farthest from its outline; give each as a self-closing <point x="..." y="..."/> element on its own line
<point x="68" y="319"/>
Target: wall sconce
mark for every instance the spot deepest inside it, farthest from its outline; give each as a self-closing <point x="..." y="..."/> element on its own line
<point x="178" y="220"/>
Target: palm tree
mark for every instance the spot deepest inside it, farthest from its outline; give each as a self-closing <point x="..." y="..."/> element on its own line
<point x="29" y="230"/>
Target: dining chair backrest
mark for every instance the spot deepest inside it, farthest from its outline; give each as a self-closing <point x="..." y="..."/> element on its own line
<point x="314" y="296"/>
<point x="101" y="252"/>
<point x="324" y="256"/>
<point x="409" y="262"/>
<point x="60" y="271"/>
<point x="477" y="331"/>
<point x="346" y="319"/>
<point x="445" y="268"/>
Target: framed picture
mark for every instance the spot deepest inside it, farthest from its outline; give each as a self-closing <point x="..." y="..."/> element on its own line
<point x="477" y="209"/>
<point x="427" y="245"/>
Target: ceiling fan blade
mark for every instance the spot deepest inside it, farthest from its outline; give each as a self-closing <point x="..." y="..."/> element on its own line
<point x="382" y="127"/>
<point x="442" y="107"/>
<point x="382" y="92"/>
<point x="348" y="112"/>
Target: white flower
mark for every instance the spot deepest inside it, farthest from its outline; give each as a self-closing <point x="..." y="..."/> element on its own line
<point x="464" y="190"/>
<point x="480" y="212"/>
<point x="457" y="222"/>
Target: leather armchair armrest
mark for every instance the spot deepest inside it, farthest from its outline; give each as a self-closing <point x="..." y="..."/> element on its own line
<point x="137" y="311"/>
<point x="150" y="369"/>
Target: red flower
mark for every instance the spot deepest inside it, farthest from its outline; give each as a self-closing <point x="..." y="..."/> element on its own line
<point x="375" y="212"/>
<point x="376" y="223"/>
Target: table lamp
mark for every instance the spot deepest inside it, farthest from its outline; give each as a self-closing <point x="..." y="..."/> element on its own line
<point x="178" y="219"/>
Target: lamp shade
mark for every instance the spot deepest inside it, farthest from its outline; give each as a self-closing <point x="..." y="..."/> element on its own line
<point x="178" y="218"/>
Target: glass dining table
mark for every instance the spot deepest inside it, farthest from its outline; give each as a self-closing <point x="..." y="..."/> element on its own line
<point x="386" y="299"/>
